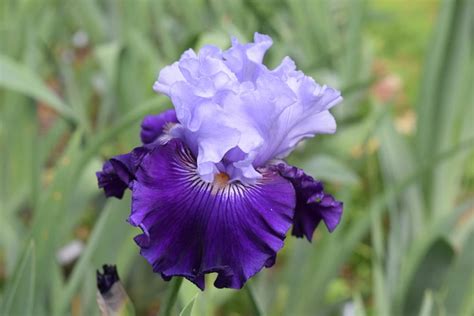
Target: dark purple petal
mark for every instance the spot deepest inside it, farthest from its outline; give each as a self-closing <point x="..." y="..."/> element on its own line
<point x="153" y="125"/>
<point x="312" y="203"/>
<point x="109" y="181"/>
<point x="106" y="279"/>
<point x="118" y="172"/>
<point x="191" y="227"/>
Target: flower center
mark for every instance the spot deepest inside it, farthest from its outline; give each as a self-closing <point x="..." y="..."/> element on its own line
<point x="221" y="179"/>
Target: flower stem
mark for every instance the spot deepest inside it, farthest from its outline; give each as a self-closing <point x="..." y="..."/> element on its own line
<point x="171" y="296"/>
<point x="253" y="301"/>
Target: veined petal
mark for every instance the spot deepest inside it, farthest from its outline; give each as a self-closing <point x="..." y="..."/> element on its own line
<point x="192" y="227"/>
<point x="312" y="203"/>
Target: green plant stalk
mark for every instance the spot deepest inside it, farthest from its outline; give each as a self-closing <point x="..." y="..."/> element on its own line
<point x="171" y="296"/>
<point x="9" y="296"/>
<point x="253" y="301"/>
<point x="380" y="296"/>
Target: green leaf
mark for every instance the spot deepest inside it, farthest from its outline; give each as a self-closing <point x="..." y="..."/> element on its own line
<point x="169" y="301"/>
<point x="430" y="82"/>
<point x="188" y="309"/>
<point x="460" y="281"/>
<point x="447" y="80"/>
<point x="254" y="304"/>
<point x="108" y="55"/>
<point x="332" y="252"/>
<point x="419" y="249"/>
<point x="21" y="79"/>
<point x="20" y="292"/>
<point x="359" y="308"/>
<point x="429" y="275"/>
<point x="396" y="162"/>
<point x="80" y="269"/>
<point x="427" y="305"/>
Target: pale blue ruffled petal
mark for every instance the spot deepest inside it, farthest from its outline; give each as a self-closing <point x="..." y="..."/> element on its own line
<point x="235" y="114"/>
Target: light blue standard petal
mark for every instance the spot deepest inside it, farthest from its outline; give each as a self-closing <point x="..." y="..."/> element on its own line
<point x="229" y="102"/>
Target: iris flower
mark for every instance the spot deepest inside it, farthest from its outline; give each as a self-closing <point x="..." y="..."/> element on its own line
<point x="210" y="189"/>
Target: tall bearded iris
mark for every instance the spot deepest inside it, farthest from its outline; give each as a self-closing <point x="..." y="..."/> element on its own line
<point x="210" y="190"/>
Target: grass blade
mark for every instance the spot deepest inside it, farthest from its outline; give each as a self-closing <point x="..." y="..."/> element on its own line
<point x="80" y="268"/>
<point x="19" y="294"/>
<point x="21" y="79"/>
<point x="188" y="309"/>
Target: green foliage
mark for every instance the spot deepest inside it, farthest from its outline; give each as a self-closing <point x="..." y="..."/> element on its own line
<point x="75" y="81"/>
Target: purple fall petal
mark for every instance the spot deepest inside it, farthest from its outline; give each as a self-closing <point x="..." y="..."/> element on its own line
<point x="118" y="172"/>
<point x="312" y="203"/>
<point x="109" y="181"/>
<point x="191" y="227"/>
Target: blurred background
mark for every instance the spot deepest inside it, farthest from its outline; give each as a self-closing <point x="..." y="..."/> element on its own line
<point x="75" y="82"/>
